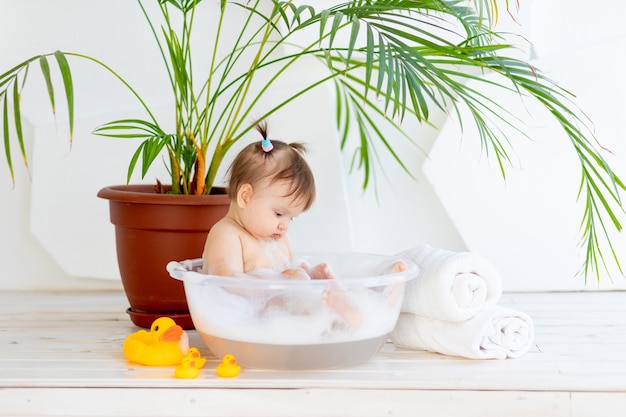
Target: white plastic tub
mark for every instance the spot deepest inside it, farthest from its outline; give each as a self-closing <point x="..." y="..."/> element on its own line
<point x="291" y="324"/>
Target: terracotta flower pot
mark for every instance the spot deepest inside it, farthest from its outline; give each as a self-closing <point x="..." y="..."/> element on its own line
<point x="150" y="230"/>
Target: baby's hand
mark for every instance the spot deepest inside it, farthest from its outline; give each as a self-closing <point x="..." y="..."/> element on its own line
<point x="295" y="273"/>
<point x="319" y="271"/>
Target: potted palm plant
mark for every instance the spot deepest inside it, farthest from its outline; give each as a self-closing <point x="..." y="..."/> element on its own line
<point x="388" y="60"/>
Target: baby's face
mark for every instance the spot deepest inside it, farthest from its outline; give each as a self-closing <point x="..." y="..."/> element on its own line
<point x="270" y="211"/>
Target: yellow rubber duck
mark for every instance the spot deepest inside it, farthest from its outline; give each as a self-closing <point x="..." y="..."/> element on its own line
<point x="187" y="369"/>
<point x="164" y="345"/>
<point x="228" y="368"/>
<point x="195" y="356"/>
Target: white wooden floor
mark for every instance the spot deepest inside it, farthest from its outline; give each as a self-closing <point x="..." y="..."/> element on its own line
<point x="60" y="355"/>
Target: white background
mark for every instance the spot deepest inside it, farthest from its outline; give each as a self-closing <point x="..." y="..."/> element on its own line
<point x="527" y="226"/>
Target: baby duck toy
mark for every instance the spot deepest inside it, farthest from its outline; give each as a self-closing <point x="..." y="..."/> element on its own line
<point x="228" y="368"/>
<point x="164" y="345"/>
<point x="194" y="354"/>
<point x="187" y="369"/>
<point x="190" y="365"/>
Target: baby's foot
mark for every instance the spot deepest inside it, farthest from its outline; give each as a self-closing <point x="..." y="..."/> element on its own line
<point x="319" y="271"/>
<point x="397" y="267"/>
<point x="337" y="299"/>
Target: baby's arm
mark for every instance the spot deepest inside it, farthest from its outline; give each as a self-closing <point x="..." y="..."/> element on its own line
<point x="295" y="273"/>
<point x="305" y="271"/>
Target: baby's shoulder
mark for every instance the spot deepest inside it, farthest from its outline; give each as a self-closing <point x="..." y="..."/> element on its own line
<point x="224" y="232"/>
<point x="227" y="226"/>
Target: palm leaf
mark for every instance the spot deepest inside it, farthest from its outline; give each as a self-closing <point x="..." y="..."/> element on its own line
<point x="129" y="128"/>
<point x="45" y="71"/>
<point x="66" y="75"/>
<point x="17" y="117"/>
<point x="5" y="135"/>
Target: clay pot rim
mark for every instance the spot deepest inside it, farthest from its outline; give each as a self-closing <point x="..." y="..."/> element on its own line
<point x="145" y="193"/>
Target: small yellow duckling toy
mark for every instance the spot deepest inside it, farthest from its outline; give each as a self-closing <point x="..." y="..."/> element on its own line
<point x="164" y="345"/>
<point x="195" y="356"/>
<point x="228" y="368"/>
<point x="187" y="369"/>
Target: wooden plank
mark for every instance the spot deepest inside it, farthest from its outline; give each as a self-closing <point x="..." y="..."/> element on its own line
<point x="601" y="404"/>
<point x="285" y="403"/>
<point x="56" y="348"/>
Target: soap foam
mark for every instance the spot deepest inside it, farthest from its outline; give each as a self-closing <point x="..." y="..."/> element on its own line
<point x="290" y="316"/>
<point x="277" y="258"/>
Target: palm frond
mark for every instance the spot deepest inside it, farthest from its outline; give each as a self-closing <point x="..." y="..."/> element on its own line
<point x="389" y="60"/>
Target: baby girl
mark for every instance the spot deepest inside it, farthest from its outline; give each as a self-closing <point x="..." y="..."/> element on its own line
<point x="269" y="185"/>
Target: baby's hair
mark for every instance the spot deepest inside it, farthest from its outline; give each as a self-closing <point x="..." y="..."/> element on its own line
<point x="284" y="162"/>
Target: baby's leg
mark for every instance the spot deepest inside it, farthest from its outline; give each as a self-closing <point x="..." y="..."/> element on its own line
<point x="274" y="303"/>
<point x="337" y="299"/>
<point x="393" y="292"/>
<point x="396" y="289"/>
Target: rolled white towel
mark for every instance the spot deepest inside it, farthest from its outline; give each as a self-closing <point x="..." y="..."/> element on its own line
<point x="451" y="286"/>
<point x="494" y="333"/>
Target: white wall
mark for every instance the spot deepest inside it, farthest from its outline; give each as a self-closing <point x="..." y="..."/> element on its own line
<point x="48" y="243"/>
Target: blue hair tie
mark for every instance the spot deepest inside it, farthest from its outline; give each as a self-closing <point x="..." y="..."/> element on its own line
<point x="266" y="145"/>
